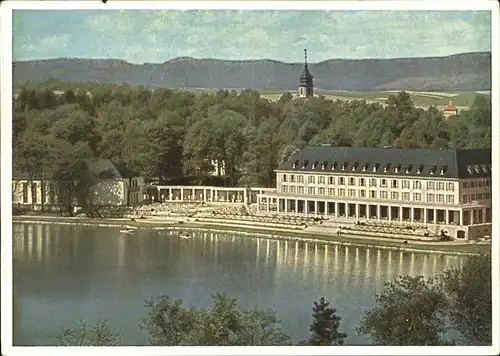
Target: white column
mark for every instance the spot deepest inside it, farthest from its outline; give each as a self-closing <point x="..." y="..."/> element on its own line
<point x="315" y="207"/>
<point x="435" y="216"/>
<point x="286" y="205"/>
<point x="326" y="209"/>
<point x="400" y="213"/>
<point x="412" y="214"/>
<point x="367" y="211"/>
<point x="182" y="194"/>
<point x="425" y="215"/>
<point x="389" y="212"/>
<point x="447" y="216"/>
<point x="472" y="216"/>
<point x="193" y="192"/>
<point x="267" y="204"/>
<point x="484" y="215"/>
<point x="378" y="211"/>
<point x="296" y="206"/>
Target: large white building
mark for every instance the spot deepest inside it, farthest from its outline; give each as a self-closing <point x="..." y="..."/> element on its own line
<point x="448" y="189"/>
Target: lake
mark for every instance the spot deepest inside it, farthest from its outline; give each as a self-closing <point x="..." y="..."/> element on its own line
<point x="67" y="273"/>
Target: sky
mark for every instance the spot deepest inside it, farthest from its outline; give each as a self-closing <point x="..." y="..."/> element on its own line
<point x="158" y="36"/>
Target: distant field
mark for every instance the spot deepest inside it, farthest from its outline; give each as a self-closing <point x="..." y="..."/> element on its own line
<point x="462" y="100"/>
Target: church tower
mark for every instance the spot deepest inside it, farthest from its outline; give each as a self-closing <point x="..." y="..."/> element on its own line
<point x="306" y="86"/>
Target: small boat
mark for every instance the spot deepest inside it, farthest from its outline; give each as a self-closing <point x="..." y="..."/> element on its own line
<point x="127" y="231"/>
<point x="185" y="236"/>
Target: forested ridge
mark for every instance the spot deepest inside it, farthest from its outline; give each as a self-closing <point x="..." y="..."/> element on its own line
<point x="170" y="135"/>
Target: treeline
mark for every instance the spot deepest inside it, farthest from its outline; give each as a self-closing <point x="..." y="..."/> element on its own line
<point x="410" y="311"/>
<point x="173" y="134"/>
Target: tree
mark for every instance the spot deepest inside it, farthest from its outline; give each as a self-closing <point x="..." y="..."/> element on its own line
<point x="409" y="312"/>
<point x="469" y="305"/>
<point x="325" y="326"/>
<point x="99" y="334"/>
<point x="224" y="324"/>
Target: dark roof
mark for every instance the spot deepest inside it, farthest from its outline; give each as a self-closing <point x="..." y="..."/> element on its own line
<point x="445" y="163"/>
<point x="306" y="74"/>
<point x="101" y="168"/>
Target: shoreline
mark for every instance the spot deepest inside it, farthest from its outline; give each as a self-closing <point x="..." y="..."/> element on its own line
<point x="275" y="233"/>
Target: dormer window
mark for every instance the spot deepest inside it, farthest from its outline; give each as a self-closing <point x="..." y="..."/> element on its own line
<point x="344" y="166"/>
<point x="443" y="169"/>
<point x="484" y="168"/>
<point x="420" y="169"/>
<point x="334" y="165"/>
<point x="386" y="167"/>
<point x="476" y="168"/>
<point x="375" y="167"/>
<point x="365" y="167"/>
<point x="324" y="165"/>
<point x="295" y="164"/>
<point x="433" y="169"/>
<point x="304" y="164"/>
<point x="315" y="164"/>
<point x="354" y="166"/>
<point x="408" y="168"/>
<point x="469" y="169"/>
<point x="397" y="168"/>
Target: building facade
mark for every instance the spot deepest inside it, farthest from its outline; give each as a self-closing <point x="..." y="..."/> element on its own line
<point x="306" y="81"/>
<point x="450" y="110"/>
<point x="113" y="188"/>
<point x="447" y="190"/>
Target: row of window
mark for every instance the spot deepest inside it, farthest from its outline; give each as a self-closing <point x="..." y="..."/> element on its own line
<point x="468" y="198"/>
<point x="34" y="192"/>
<point x="477" y="184"/>
<point x="371" y="182"/>
<point x="372" y="194"/>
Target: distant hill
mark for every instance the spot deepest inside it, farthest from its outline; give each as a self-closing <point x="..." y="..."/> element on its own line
<point x="460" y="72"/>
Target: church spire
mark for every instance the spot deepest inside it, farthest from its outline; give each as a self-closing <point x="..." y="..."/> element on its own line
<point x="305" y="57"/>
<point x="306" y="86"/>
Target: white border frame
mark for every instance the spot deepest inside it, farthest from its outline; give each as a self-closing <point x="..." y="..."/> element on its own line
<point x="6" y="173"/>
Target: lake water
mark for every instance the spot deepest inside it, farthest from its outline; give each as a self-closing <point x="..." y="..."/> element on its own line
<point x="66" y="273"/>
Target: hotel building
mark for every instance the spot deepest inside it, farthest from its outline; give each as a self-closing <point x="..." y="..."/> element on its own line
<point x="437" y="189"/>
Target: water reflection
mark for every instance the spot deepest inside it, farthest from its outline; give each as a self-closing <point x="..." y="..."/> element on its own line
<point x="66" y="273"/>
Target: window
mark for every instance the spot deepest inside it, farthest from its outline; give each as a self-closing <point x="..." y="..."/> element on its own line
<point x="362" y="193"/>
<point x="479" y="184"/>
<point x="486" y="195"/>
<point x="394" y="196"/>
<point x="352" y="181"/>
<point x="331" y="191"/>
<point x="430" y="185"/>
<point x="292" y="178"/>
<point x="440" y="198"/>
<point x="465" y="185"/>
<point x="352" y="193"/>
<point x="417" y="184"/>
<point x="283" y="178"/>
<point x="487" y="182"/>
<point x="383" y="195"/>
<point x="440" y="186"/>
<point x="321" y="191"/>
<point x="430" y="198"/>
<point x="373" y="194"/>
<point x="52" y="194"/>
<point x="406" y="184"/>
<point x="331" y="180"/>
<point x="321" y="180"/>
<point x="383" y="183"/>
<point x="465" y="198"/>
<point x="395" y="183"/>
<point x="473" y="197"/>
<point x="285" y="188"/>
<point x="341" y="192"/>
<point x="417" y="197"/>
<point x="341" y="181"/>
<point x="300" y="179"/>
<point x="361" y="182"/>
<point x="292" y="189"/>
<point x="450" y="199"/>
<point x="34" y="192"/>
<point x="300" y="190"/>
<point x="311" y="179"/>
<point x="373" y="182"/>
<point x="311" y="190"/>
<point x="405" y="196"/>
<point x="450" y="187"/>
<point x="25" y="193"/>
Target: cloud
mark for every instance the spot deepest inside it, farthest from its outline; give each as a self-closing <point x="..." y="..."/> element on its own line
<point x="157" y="36"/>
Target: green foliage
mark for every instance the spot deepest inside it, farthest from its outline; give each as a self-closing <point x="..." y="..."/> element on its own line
<point x="325" y="326"/>
<point x="414" y="311"/>
<point x="171" y="134"/>
<point x="99" y="334"/>
<point x="224" y="324"/>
